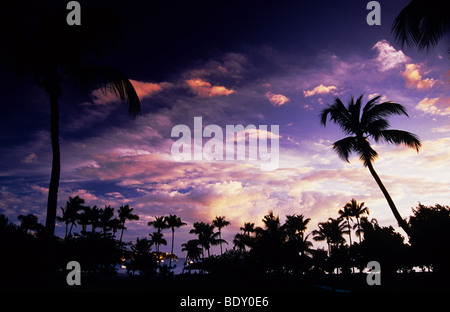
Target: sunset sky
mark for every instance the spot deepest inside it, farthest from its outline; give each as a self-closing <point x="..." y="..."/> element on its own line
<point x="271" y="64"/>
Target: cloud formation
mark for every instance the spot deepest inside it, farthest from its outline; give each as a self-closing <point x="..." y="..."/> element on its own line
<point x="205" y="89"/>
<point x="320" y="89"/>
<point x="435" y="106"/>
<point x="388" y="58"/>
<point x="276" y="99"/>
<point x="413" y="76"/>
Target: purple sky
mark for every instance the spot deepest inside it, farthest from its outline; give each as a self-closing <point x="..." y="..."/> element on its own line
<point x="270" y="65"/>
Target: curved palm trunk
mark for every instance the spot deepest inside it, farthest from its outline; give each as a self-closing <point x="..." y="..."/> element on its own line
<point x="55" y="174"/>
<point x="349" y="230"/>
<point x="402" y="223"/>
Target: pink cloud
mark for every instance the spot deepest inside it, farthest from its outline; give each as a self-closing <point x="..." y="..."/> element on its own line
<point x="413" y="76"/>
<point x="205" y="89"/>
<point x="320" y="89"/>
<point x="435" y="106"/>
<point x="277" y="99"/>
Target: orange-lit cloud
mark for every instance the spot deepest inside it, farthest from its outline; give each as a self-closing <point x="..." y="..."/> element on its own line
<point x="277" y="99"/>
<point x="413" y="76"/>
<point x="320" y="89"/>
<point x="435" y="106"/>
<point x="205" y="89"/>
<point x="146" y="89"/>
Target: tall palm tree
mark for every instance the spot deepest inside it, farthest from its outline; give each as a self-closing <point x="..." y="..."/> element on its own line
<point x="347" y="214"/>
<point x="159" y="223"/>
<point x="422" y="22"/>
<point x="70" y="213"/>
<point x="157" y="238"/>
<point x="53" y="52"/>
<point x="206" y="235"/>
<point x="357" y="210"/>
<point x="295" y="225"/>
<point x="125" y="213"/>
<point x="331" y="231"/>
<point x="172" y="222"/>
<point x="193" y="251"/>
<point x="369" y="123"/>
<point x="105" y="218"/>
<point x="219" y="223"/>
<point x="248" y="228"/>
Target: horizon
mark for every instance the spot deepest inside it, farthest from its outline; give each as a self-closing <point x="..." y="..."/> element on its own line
<point x="269" y="65"/>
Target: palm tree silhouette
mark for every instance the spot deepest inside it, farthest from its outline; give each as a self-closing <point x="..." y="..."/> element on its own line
<point x="295" y="225"/>
<point x="331" y="231"/>
<point x="159" y="223"/>
<point x="219" y="223"/>
<point x="125" y="213"/>
<point x="54" y="52"/>
<point x="29" y="222"/>
<point x="371" y="122"/>
<point x="422" y="22"/>
<point x="347" y="214"/>
<point x="357" y="210"/>
<point x="70" y="213"/>
<point x="172" y="222"/>
<point x="206" y="235"/>
<point x="157" y="238"/>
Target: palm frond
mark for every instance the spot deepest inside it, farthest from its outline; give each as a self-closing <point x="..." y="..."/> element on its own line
<point x="340" y="114"/>
<point x="366" y="153"/>
<point x="344" y="147"/>
<point x="400" y="137"/>
<point x="382" y="110"/>
<point x="422" y="22"/>
<point x="108" y="78"/>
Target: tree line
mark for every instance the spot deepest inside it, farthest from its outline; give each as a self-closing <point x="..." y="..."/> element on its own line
<point x="273" y="248"/>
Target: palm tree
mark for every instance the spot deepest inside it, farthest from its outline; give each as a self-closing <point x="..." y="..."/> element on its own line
<point x="357" y="210"/>
<point x="193" y="251"/>
<point x="248" y="228"/>
<point x="347" y="214"/>
<point x="125" y="213"/>
<point x="70" y="213"/>
<point x="53" y="52"/>
<point x="173" y="221"/>
<point x="219" y="223"/>
<point x="206" y="235"/>
<point x="105" y="218"/>
<point x="296" y="225"/>
<point x="370" y="123"/>
<point x="331" y="231"/>
<point x="159" y="223"/>
<point x="422" y="22"/>
<point x="240" y="241"/>
<point x="157" y="238"/>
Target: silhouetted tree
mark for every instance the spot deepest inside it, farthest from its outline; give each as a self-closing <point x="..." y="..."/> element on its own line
<point x="430" y="236"/>
<point x="422" y="22"/>
<point x="59" y="52"/>
<point x="125" y="213"/>
<point x="173" y="222"/>
<point x="219" y="223"/>
<point x="70" y="213"/>
<point x="370" y="122"/>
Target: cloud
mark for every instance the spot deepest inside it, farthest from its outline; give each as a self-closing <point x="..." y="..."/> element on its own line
<point x="413" y="77"/>
<point x="277" y="99"/>
<point x="205" y="89"/>
<point x="320" y="89"/>
<point x="30" y="158"/>
<point x="147" y="89"/>
<point x="388" y="58"/>
<point x="435" y="106"/>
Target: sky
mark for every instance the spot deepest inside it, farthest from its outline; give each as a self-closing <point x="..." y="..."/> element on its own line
<point x="276" y="64"/>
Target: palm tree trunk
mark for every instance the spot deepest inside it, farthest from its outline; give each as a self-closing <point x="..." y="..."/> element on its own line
<point x="55" y="174"/>
<point x="402" y="223"/>
<point x="220" y="242"/>
<point x="349" y="231"/>
<point x="121" y="233"/>
<point x="171" y="249"/>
